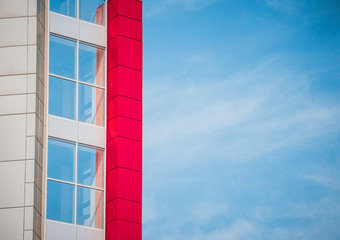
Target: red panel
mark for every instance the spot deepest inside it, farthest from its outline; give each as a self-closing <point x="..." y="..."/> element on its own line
<point x="128" y="8"/>
<point x="125" y="82"/>
<point x="124" y="26"/>
<point x="123" y="152"/>
<point x="125" y="52"/>
<point x="124" y="183"/>
<point x="124" y="127"/>
<point x="123" y="230"/>
<point x="126" y="107"/>
<point x="124" y="210"/>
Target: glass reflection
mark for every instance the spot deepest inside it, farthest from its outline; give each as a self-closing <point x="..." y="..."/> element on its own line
<point x="91" y="64"/>
<point x="62" y="57"/>
<point x="62" y="94"/>
<point x="89" y="207"/>
<point x="65" y="7"/>
<point x="91" y="105"/>
<point x="92" y="11"/>
<point x="60" y="201"/>
<point x="90" y="166"/>
<point x="60" y="160"/>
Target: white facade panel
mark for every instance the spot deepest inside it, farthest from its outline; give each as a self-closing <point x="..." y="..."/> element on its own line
<point x="92" y="33"/>
<point x="12" y="184"/>
<point x="15" y="84"/>
<point x="62" y="128"/>
<point x="91" y="135"/>
<point x="13" y="60"/>
<point x="60" y="231"/>
<point x="11" y="223"/>
<point x="10" y="8"/>
<point x="13" y="31"/>
<point x="13" y="104"/>
<point x="63" y="25"/>
<point x="89" y="234"/>
<point x="12" y="137"/>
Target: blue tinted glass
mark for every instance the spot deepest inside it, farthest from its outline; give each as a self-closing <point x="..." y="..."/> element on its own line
<point x="89" y="207"/>
<point x="60" y="201"/>
<point x="90" y="166"/>
<point x="62" y="97"/>
<point x="91" y="64"/>
<point x="65" y="7"/>
<point x="90" y="105"/>
<point x="62" y="57"/>
<point x="60" y="163"/>
<point x="92" y="11"/>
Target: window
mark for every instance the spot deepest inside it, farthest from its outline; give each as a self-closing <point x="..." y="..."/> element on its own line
<point x="91" y="64"/>
<point x="65" y="161"/>
<point x="60" y="201"/>
<point x="61" y="160"/>
<point x="92" y="11"/>
<point x="91" y="106"/>
<point x="65" y="7"/>
<point x="63" y="57"/>
<point x="89" y="10"/>
<point x="67" y="86"/>
<point x="62" y="97"/>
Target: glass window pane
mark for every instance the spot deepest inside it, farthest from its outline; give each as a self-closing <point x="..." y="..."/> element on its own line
<point x="62" y="98"/>
<point x="60" y="163"/>
<point x="91" y="64"/>
<point x="92" y="11"/>
<point x="60" y="201"/>
<point x="90" y="166"/>
<point x="65" y="7"/>
<point x="91" y="105"/>
<point x="89" y="207"/>
<point x="62" y="57"/>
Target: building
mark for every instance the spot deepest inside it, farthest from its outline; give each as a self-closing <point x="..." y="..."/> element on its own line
<point x="70" y="119"/>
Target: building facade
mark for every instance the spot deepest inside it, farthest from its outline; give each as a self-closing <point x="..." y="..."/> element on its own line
<point x="70" y="119"/>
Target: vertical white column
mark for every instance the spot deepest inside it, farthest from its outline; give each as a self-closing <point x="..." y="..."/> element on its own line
<point x="22" y="51"/>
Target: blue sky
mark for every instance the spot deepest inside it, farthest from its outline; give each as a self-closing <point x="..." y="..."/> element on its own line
<point x="241" y="120"/>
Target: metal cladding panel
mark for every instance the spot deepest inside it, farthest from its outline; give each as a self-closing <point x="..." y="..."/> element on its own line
<point x="119" y="154"/>
<point x="124" y="210"/>
<point x="128" y="83"/>
<point x="124" y="120"/>
<point x="120" y="229"/>
<point x="125" y="26"/>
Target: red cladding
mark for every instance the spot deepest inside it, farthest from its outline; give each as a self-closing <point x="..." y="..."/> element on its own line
<point x="124" y="127"/>
<point x="125" y="52"/>
<point x="124" y="26"/>
<point x="127" y="8"/>
<point x="125" y="82"/>
<point x="124" y="210"/>
<point x="124" y="183"/>
<point x="125" y="107"/>
<point x="123" y="230"/>
<point x="124" y="120"/>
<point x="123" y="152"/>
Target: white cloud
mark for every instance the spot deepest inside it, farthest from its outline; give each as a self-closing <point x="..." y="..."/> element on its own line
<point x="250" y="113"/>
<point x="328" y="182"/>
<point x="287" y="6"/>
<point x="238" y="230"/>
<point x="205" y="211"/>
<point x="149" y="209"/>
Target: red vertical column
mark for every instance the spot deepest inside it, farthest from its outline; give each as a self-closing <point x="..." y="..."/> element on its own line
<point x="124" y="120"/>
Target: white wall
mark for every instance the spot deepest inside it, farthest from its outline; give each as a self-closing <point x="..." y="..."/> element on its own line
<point x="21" y="118"/>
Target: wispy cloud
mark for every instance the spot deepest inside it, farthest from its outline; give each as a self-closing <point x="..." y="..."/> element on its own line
<point x="249" y="113"/>
<point x="288" y="6"/>
<point x="328" y="182"/>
